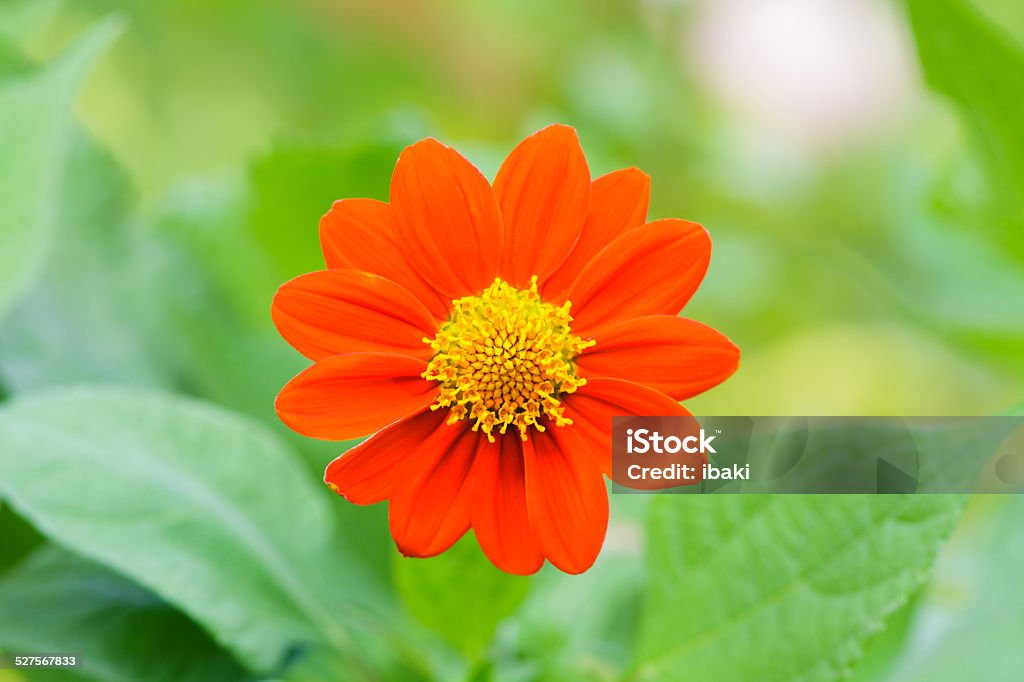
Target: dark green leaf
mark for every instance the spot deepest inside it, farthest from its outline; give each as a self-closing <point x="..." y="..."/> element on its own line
<point x="781" y="587"/>
<point x="17" y="538"/>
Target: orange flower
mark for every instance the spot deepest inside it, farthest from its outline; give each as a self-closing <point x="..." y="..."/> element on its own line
<point x="486" y="335"/>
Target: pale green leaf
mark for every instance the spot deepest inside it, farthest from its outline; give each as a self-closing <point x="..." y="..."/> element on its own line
<point x="96" y="312"/>
<point x="207" y="510"/>
<point x="784" y="587"/>
<point x="34" y="128"/>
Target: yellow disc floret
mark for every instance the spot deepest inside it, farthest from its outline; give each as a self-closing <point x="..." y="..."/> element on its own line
<point x="505" y="358"/>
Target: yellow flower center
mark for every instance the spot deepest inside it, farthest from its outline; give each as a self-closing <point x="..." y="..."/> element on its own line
<point x="505" y="358"/>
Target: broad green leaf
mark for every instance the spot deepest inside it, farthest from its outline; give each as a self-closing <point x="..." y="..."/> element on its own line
<point x="207" y="510"/>
<point x="460" y="595"/>
<point x="34" y="128"/>
<point x="983" y="639"/>
<point x="784" y="587"/>
<point x="57" y="602"/>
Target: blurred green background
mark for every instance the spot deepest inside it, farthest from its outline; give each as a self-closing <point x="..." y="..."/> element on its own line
<point x="163" y="166"/>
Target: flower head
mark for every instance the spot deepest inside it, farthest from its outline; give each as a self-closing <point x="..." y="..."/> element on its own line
<point x="485" y="335"/>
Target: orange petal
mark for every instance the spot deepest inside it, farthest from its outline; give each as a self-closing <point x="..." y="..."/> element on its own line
<point x="676" y="356"/>
<point x="358" y="234"/>
<point x="649" y="270"/>
<point x="566" y="497"/>
<point x="544" y="192"/>
<point x="501" y="522"/>
<point x="348" y="396"/>
<point x="378" y="467"/>
<point x="593" y="405"/>
<point x="618" y="201"/>
<point x="349" y="311"/>
<point x="431" y="511"/>
<point x="446" y="219"/>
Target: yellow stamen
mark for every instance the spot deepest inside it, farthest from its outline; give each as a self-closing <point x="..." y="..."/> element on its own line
<point x="506" y="358"/>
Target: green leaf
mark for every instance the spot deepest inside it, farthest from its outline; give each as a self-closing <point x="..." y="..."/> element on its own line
<point x="784" y="587"/>
<point x="207" y="510"/>
<point x="885" y="648"/>
<point x="97" y="313"/>
<point x="460" y="595"/>
<point x="57" y="602"/>
<point x="978" y="67"/>
<point x="19" y="539"/>
<point x="982" y="638"/>
<point x="34" y="127"/>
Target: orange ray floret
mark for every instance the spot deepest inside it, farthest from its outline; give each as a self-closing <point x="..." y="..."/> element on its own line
<point x="484" y="337"/>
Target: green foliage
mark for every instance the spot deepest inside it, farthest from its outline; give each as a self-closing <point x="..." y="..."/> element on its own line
<point x="19" y="18"/>
<point x="580" y="629"/>
<point x="885" y="647"/>
<point x="177" y="484"/>
<point x="85" y="319"/>
<point x="165" y="537"/>
<point x="57" y="602"/>
<point x="294" y="186"/>
<point x="781" y="587"/>
<point x="459" y="594"/>
<point x="986" y="88"/>
<point x="34" y="129"/>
